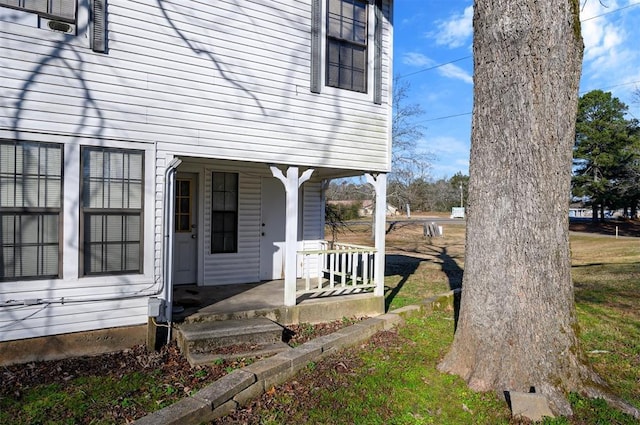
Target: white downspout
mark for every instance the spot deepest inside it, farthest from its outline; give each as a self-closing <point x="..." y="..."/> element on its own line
<point x="169" y="208"/>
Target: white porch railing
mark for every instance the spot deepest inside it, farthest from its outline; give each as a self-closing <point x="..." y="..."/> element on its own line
<point x="337" y="267"/>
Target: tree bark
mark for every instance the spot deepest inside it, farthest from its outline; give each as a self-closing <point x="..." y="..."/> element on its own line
<point x="517" y="327"/>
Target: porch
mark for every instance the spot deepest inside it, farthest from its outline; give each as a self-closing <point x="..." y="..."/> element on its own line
<point x="265" y="299"/>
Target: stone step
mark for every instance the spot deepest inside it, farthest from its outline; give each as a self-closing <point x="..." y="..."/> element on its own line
<point x="238" y="352"/>
<point x="238" y="335"/>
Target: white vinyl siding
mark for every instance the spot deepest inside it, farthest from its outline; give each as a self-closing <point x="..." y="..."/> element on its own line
<point x="231" y="77"/>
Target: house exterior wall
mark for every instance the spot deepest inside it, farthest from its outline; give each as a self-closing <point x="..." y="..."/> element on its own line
<point x="213" y="82"/>
<point x="229" y="75"/>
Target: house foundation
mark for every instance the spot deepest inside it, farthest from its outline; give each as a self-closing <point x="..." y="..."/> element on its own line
<point x="77" y="344"/>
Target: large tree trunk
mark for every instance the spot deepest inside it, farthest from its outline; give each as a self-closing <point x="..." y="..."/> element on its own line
<point x="517" y="324"/>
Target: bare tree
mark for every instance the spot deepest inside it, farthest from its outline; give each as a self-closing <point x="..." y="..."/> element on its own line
<point x="408" y="162"/>
<point x="517" y="326"/>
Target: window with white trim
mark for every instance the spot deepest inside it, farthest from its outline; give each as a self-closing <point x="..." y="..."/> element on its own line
<point x="346" y="57"/>
<point x="30" y="209"/>
<point x="112" y="210"/>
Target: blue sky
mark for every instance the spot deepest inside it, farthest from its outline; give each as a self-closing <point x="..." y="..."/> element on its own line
<point x="432" y="51"/>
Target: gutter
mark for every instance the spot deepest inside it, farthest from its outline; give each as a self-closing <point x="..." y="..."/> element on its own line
<point x="169" y="211"/>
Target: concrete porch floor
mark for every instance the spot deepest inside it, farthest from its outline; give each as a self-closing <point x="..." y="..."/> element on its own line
<point x="266" y="299"/>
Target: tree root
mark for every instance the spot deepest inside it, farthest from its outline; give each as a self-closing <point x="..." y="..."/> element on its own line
<point x="612" y="400"/>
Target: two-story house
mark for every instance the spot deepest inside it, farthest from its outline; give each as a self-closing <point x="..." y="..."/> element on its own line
<point x="152" y="143"/>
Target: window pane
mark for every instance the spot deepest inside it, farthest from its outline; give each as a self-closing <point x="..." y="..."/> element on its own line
<point x="49" y="258"/>
<point x="182" y="224"/>
<point x="52" y="161"/>
<point x="183" y="187"/>
<point x="218" y="181"/>
<point x="231" y="182"/>
<point x="132" y="256"/>
<point x="133" y="228"/>
<point x="94" y="194"/>
<point x="31" y="184"/>
<point x="334" y="27"/>
<point x="30" y="246"/>
<point x="359" y="60"/>
<point x="224" y="216"/>
<point x="64" y="8"/>
<point x="116" y="162"/>
<point x="51" y="193"/>
<point x="7" y="159"/>
<point x="217" y="244"/>
<point x="218" y="201"/>
<point x="347" y="45"/>
<point x="112" y="181"/>
<point x="115" y="195"/>
<point x="346" y="56"/>
<point x="230" y="201"/>
<point x="113" y="260"/>
<point x="135" y="195"/>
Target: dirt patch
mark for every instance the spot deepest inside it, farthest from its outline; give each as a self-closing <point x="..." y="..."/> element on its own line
<point x="168" y="364"/>
<point x="299" y="394"/>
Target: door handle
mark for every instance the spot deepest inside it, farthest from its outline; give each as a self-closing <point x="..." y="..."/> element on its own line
<point x="193" y="236"/>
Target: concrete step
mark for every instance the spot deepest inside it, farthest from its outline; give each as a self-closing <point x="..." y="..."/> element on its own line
<point x="238" y="352"/>
<point x="227" y="336"/>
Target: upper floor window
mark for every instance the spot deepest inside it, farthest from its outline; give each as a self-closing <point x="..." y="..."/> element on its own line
<point x="30" y="209"/>
<point x="112" y="208"/>
<point x="63" y="10"/>
<point x="62" y="16"/>
<point x="347" y="45"/>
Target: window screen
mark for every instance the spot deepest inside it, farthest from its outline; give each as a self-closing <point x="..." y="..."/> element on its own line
<point x="64" y="10"/>
<point x="112" y="205"/>
<point x="30" y="208"/>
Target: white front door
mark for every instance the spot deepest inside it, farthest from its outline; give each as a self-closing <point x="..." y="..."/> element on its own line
<point x="185" y="242"/>
<point x="273" y="225"/>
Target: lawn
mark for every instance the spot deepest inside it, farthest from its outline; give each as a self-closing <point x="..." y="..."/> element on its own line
<point x="392" y="379"/>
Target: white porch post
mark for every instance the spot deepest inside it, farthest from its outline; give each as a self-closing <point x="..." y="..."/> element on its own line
<point x="291" y="184"/>
<point x="379" y="183"/>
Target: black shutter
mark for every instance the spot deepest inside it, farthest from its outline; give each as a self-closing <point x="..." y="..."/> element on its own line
<point x="99" y="26"/>
<point x="316" y="45"/>
<point x="377" y="55"/>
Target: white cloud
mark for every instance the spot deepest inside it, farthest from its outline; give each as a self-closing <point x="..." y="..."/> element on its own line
<point x="452" y="71"/>
<point x="451" y="155"/>
<point x="456" y="31"/>
<point x="600" y="36"/>
<point x="610" y="55"/>
<point x="416" y="59"/>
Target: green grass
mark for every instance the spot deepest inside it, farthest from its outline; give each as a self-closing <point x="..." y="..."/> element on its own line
<point x="87" y="397"/>
<point x="400" y="384"/>
<point x="606" y="273"/>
